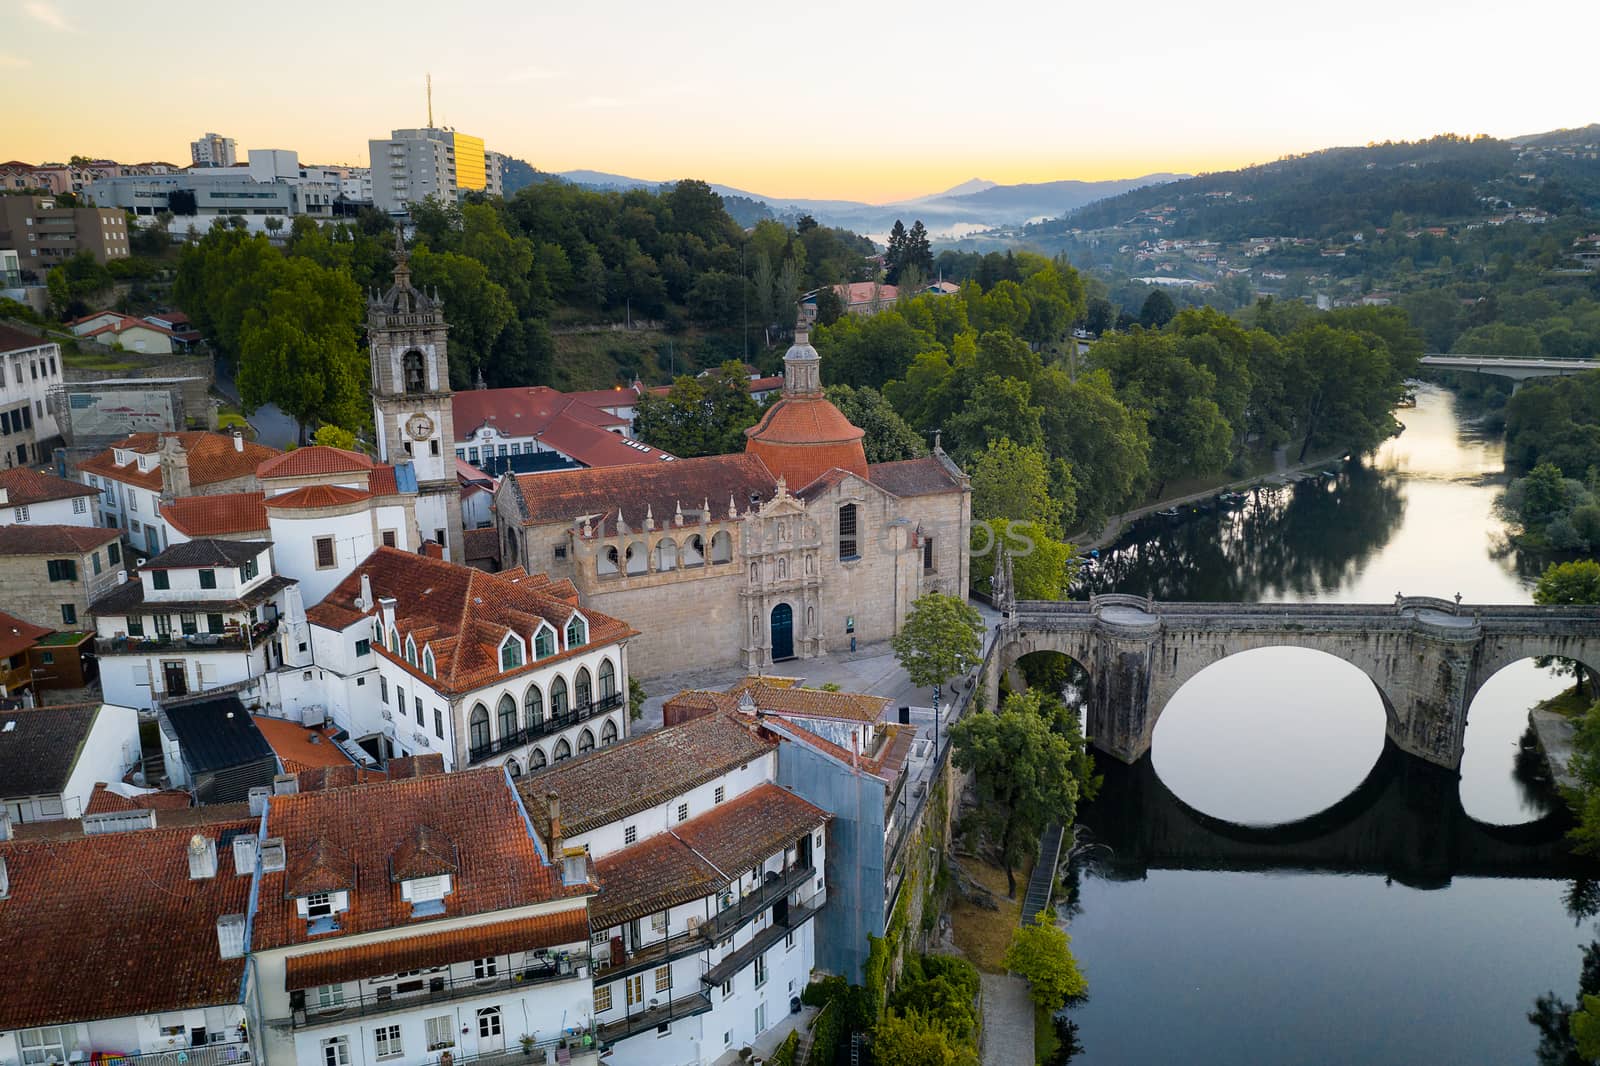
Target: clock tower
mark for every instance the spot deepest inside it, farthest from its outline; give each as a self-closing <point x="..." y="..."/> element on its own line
<point x="411" y="400"/>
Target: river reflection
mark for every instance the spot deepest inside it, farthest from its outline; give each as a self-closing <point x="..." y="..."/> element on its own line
<point x="1396" y="925"/>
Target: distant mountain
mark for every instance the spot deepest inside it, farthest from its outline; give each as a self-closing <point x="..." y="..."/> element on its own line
<point x="1587" y="135"/>
<point x="975" y="204"/>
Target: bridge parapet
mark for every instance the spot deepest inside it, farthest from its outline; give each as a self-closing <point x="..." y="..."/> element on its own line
<point x="1426" y="603"/>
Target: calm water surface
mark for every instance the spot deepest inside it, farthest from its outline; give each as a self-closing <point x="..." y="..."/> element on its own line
<point x="1274" y="884"/>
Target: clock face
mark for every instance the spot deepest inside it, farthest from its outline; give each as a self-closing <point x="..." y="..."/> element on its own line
<point x="419" y="427"/>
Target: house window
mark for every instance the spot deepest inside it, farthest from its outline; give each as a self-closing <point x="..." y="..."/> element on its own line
<point x="388" y="538"/>
<point x="608" y="679"/>
<point x="248" y="571"/>
<point x="533" y="707"/>
<point x="630" y="834"/>
<point x="383" y="688"/>
<point x="325" y="558"/>
<point x="21" y="514"/>
<point x="510" y="654"/>
<point x="658" y="922"/>
<point x="319" y="905"/>
<point x="544" y="644"/>
<point x="438" y="723"/>
<point x="788" y="941"/>
<point x="602" y="999"/>
<point x="187" y="623"/>
<point x="208" y="579"/>
<point x="441" y="1032"/>
<point x="69" y="614"/>
<point x="336" y="1051"/>
<point x="663" y="978"/>
<point x="478" y="728"/>
<point x="577" y="633"/>
<point x="136" y="625"/>
<point x="79" y="505"/>
<point x="489" y="1024"/>
<point x="416" y="702"/>
<point x="506" y="715"/>
<point x="847" y="532"/>
<point x="330" y="996"/>
<point x="46" y="1045"/>
<point x="94" y="562"/>
<point x="635" y="987"/>
<point x="558" y="697"/>
<point x="719" y="795"/>
<point x="113" y="553"/>
<point x="388" y="1041"/>
<point x="727" y="988"/>
<point x="927" y="553"/>
<point x="160" y="579"/>
<point x="428" y="665"/>
<point x="683" y="812"/>
<point x="215" y="623"/>
<point x="62" y="570"/>
<point x="363" y="647"/>
<point x="583" y="688"/>
<point x="485" y="967"/>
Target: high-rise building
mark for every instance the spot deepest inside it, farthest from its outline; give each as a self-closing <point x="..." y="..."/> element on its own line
<point x="46" y="235"/>
<point x="213" y="150"/>
<point x="415" y="164"/>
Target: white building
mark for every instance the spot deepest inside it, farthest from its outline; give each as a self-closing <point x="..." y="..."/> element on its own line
<point x="198" y="617"/>
<point x="414" y="655"/>
<point x="214" y="150"/>
<point x="711" y="875"/>
<point x="400" y="921"/>
<point x="51" y="757"/>
<point x="411" y="166"/>
<point x="29" y="496"/>
<point x="29" y="366"/>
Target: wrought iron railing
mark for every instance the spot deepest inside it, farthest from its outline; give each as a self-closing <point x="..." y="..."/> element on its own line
<point x="233" y="639"/>
<point x="797" y="915"/>
<point x="434" y="988"/>
<point x="205" y="1055"/>
<point x="765" y="895"/>
<point x="653" y="1017"/>
<point x="553" y="723"/>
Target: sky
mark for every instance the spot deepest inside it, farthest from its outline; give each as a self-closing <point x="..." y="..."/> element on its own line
<point x="861" y="101"/>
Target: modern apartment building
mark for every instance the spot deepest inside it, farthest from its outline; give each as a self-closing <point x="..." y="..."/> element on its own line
<point x="415" y="164"/>
<point x="213" y="150"/>
<point x="46" y="235"/>
<point x="29" y="366"/>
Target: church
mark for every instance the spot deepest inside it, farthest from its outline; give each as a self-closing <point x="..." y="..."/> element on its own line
<point x="795" y="547"/>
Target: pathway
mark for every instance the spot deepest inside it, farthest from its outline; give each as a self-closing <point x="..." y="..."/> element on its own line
<point x="1007" y="1021"/>
<point x="1043" y="880"/>
<point x="1554" y="733"/>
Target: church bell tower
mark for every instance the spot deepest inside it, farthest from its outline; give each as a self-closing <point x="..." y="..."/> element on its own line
<point x="406" y="334"/>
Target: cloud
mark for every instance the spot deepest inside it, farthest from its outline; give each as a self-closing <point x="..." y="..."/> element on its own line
<point x="45" y="13"/>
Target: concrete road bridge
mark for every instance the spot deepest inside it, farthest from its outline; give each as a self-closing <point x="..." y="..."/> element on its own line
<point x="1427" y="657"/>
<point x="1518" y="370"/>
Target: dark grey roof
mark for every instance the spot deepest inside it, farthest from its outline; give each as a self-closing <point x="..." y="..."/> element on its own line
<point x="217" y="734"/>
<point x="207" y="552"/>
<point x="39" y="746"/>
<point x="128" y="598"/>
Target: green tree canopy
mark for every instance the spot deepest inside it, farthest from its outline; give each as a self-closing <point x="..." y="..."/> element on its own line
<point x="700" y="416"/>
<point x="888" y="437"/>
<point x="940" y="639"/>
<point x="1041" y="953"/>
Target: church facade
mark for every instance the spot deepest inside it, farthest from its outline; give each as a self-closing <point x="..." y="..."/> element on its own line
<point x="793" y="548"/>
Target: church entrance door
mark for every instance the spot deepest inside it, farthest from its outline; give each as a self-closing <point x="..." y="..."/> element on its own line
<point x="782" y="632"/>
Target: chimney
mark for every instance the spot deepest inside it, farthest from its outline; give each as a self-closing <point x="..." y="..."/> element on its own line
<point x="202" y="858"/>
<point x="5" y="497"/>
<point x="174" y="469"/>
<point x="366" y="601"/>
<point x="238" y="439"/>
<point x="552" y="801"/>
<point x="5" y="824"/>
<point x="272" y="855"/>
<point x="5" y="879"/>
<point x="285" y="785"/>
<point x="258" y="800"/>
<point x="230" y="935"/>
<point x="244" y="854"/>
<point x="433" y="549"/>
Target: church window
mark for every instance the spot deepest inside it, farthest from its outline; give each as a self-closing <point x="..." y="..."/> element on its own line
<point x="608" y="734"/>
<point x="927" y="553"/>
<point x="584" y="688"/>
<point x="506" y="712"/>
<point x="544" y="643"/>
<point x="847" y="532"/>
<point x="585" y="742"/>
<point x="533" y="707"/>
<point x="558" y="698"/>
<point x="606" y="563"/>
<point x="433" y="446"/>
<point x="563" y="750"/>
<point x="608" y="679"/>
<point x="694" y="550"/>
<point x="536" y="759"/>
<point x="416" y="379"/>
<point x="510" y="653"/>
<point x="577" y="632"/>
<point x="478" y="728"/>
<point x="722" y="547"/>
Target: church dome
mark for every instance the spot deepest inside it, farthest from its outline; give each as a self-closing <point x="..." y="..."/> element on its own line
<point x="803" y="436"/>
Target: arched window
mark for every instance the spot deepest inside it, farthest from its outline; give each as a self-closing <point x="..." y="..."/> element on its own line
<point x="583" y="688"/>
<point x="608" y="733"/>
<point x="411" y="651"/>
<point x="394" y="641"/>
<point x="606" y="563"/>
<point x="667" y="554"/>
<point x="722" y="547"/>
<point x="478" y="728"/>
<point x="637" y="560"/>
<point x="608" y="679"/>
<point x="694" y="551"/>
<point x="416" y="378"/>
<point x="506" y="712"/>
<point x="563" y="750"/>
<point x="585" y="742"/>
<point x="577" y="632"/>
<point x="558" y="698"/>
<point x="429" y="666"/>
<point x="513" y="768"/>
<point x="544" y="643"/>
<point x="536" y="759"/>
<point x="533" y="707"/>
<point x="510" y="653"/>
<point x="847" y="532"/>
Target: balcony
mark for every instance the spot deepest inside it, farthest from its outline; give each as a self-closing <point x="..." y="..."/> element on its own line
<point x="432" y="988"/>
<point x="552" y="724"/>
<point x="673" y="947"/>
<point x="208" y="1055"/>
<point x="768" y="893"/>
<point x="798" y="915"/>
<point x="651" y="1017"/>
<point x="234" y="638"/>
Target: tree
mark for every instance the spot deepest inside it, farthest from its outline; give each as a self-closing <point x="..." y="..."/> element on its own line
<point x="894" y="255"/>
<point x="332" y="436"/>
<point x="1024" y="773"/>
<point x="1157" y="311"/>
<point x="273" y="224"/>
<point x="917" y="252"/>
<point x="888" y="437"/>
<point x="941" y="639"/>
<point x="1041" y="953"/>
<point x="1012" y="481"/>
<point x="1566" y="584"/>
<point x="478" y="310"/>
<point x="914" y="1039"/>
<point x="699" y="416"/>
<point x="1585" y="1023"/>
<point x="1041" y="565"/>
<point x="1105" y="446"/>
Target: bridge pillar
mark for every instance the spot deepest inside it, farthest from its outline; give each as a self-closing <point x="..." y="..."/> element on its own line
<point x="1119" y="720"/>
<point x="1430" y="695"/>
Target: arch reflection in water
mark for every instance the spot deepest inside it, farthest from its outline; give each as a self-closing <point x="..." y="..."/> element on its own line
<point x="1492" y="787"/>
<point x="1403" y="821"/>
<point x="1270" y="735"/>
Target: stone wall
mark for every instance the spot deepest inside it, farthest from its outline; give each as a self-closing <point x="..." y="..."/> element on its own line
<point x="33" y="597"/>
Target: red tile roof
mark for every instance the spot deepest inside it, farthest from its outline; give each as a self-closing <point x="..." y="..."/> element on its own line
<point x="570" y="926"/>
<point x="17" y="635"/>
<point x="913" y="477"/>
<point x="711" y="481"/>
<point x="600" y="399"/>
<point x="483" y="543"/>
<point x="25" y="485"/>
<point x="120" y="912"/>
<point x="49" y="540"/>
<point x="313" y="460"/>
<point x="300" y="747"/>
<point x="559" y="421"/>
<point x="215" y="516"/>
<point x="14" y="340"/>
<point x="102" y="800"/>
<point x="462" y="613"/>
<point x="803" y="437"/>
<point x="316" y="496"/>
<point x="358" y="831"/>
<point x="212" y="458"/>
<point x="793" y="700"/>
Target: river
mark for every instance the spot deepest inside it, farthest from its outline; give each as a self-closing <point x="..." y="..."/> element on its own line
<point x="1275" y="884"/>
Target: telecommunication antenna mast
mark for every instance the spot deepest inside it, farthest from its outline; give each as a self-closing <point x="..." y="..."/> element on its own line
<point x="430" y="101"/>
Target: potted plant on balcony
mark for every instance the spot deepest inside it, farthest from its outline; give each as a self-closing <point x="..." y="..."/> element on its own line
<point x="527" y="1043"/>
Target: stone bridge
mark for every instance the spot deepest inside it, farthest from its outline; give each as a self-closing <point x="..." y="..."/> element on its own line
<point x="1427" y="657"/>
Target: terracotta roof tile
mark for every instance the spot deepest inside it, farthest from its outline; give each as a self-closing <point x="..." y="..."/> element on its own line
<point x="483" y="543"/>
<point x="313" y="460"/>
<point x="316" y="496"/>
<point x="623" y="779"/>
<point x="523" y="411"/>
<point x="364" y="826"/>
<point x="319" y="865"/>
<point x="212" y="458"/>
<point x="810" y="702"/>
<point x="382" y="481"/>
<point x="300" y="747"/>
<point x="17" y="635"/>
<point x="650" y="877"/>
<point x="15" y="340"/>
<point x="751" y="826"/>
<point x="570" y="926"/>
<point x="103" y="800"/>
<point x="803" y="437"/>
<point x="49" y="540"/>
<point x="425" y="853"/>
<point x="462" y="613"/>
<point x="913" y="477"/>
<point x="24" y="485"/>
<point x="710" y="481"/>
<point x="215" y="516"/>
<point x="122" y="907"/>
